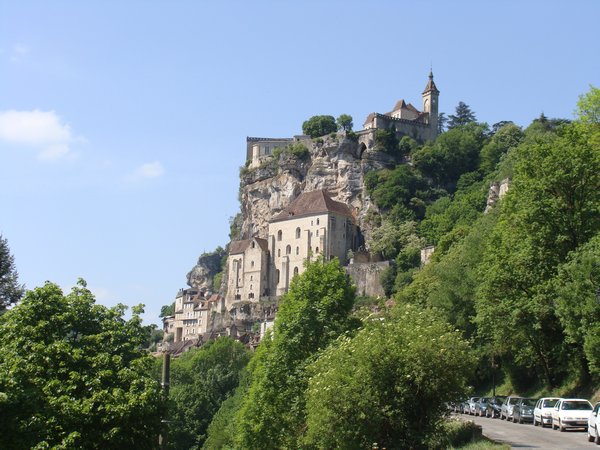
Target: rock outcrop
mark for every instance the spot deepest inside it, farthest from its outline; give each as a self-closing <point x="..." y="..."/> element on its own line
<point x="202" y="274"/>
<point x="497" y="190"/>
<point x="337" y="164"/>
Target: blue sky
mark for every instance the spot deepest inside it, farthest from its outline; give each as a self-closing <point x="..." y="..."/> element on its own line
<point x="123" y="123"/>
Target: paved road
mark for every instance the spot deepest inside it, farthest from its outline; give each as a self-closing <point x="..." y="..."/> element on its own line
<point x="528" y="436"/>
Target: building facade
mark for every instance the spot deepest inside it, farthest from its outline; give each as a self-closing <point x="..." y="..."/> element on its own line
<point x="312" y="226"/>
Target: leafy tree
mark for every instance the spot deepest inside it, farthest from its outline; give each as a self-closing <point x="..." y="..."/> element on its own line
<point x="553" y="207"/>
<point x="373" y="387"/>
<point x="318" y="126"/>
<point x="10" y="289"/>
<point x="442" y="121"/>
<point x="507" y="137"/>
<point x="313" y="313"/>
<point x="399" y="186"/>
<point x="453" y="153"/>
<point x="167" y="310"/>
<point x="386" y="141"/>
<point x="462" y="116"/>
<point x="201" y="380"/>
<point x="588" y="107"/>
<point x="72" y="374"/>
<point x="344" y="122"/>
<point x="391" y="237"/>
<point x="577" y="289"/>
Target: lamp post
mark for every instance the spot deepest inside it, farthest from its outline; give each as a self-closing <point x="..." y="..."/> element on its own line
<point x="165" y="383"/>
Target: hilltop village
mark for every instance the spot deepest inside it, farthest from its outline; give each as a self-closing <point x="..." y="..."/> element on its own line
<point x="298" y="211"/>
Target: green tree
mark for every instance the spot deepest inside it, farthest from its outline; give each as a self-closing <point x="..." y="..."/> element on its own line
<point x="72" y="374"/>
<point x="167" y="310"/>
<point x="318" y="126"/>
<point x="588" y="107"/>
<point x="577" y="288"/>
<point x="553" y="207"/>
<point x="201" y="380"/>
<point x="344" y="122"/>
<point x="507" y="137"/>
<point x="386" y="141"/>
<point x="442" y="121"/>
<point x="462" y="116"/>
<point x="10" y="289"/>
<point x="374" y="387"/>
<point x="314" y="312"/>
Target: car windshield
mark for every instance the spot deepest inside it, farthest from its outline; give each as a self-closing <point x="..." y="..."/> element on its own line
<point x="514" y="400"/>
<point x="549" y="403"/>
<point x="529" y="402"/>
<point x="576" y="406"/>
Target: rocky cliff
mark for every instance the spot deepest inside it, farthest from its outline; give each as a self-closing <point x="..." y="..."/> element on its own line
<point x="336" y="163"/>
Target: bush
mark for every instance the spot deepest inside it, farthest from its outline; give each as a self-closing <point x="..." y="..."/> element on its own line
<point x="318" y="126"/>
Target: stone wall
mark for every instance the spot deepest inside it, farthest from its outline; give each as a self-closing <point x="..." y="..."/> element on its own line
<point x="366" y="277"/>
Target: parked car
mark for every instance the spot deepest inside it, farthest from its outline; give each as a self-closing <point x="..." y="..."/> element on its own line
<point x="471" y="405"/>
<point x="494" y="405"/>
<point x="571" y="413"/>
<point x="594" y="425"/>
<point x="523" y="410"/>
<point x="542" y="413"/>
<point x="506" y="412"/>
<point x="480" y="406"/>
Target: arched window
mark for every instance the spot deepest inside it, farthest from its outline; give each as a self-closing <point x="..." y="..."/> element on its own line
<point x="251" y="263"/>
<point x="317" y="232"/>
<point x="278" y="252"/>
<point x="279" y="235"/>
<point x="288" y="250"/>
<point x="277" y="276"/>
<point x="253" y="244"/>
<point x="250" y="280"/>
<point x="298" y="233"/>
<point x="295" y="271"/>
<point x="317" y="250"/>
<point x="297" y="250"/>
<point x="317" y="221"/>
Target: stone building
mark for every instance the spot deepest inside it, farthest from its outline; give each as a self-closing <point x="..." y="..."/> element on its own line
<point x="407" y="120"/>
<point x="313" y="225"/>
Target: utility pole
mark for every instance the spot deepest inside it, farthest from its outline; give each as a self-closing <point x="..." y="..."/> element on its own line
<point x="165" y="383"/>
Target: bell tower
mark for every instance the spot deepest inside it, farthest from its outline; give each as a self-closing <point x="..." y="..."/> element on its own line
<point x="430" y="105"/>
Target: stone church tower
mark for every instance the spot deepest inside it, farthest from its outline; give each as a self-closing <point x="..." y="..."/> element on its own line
<point x="430" y="102"/>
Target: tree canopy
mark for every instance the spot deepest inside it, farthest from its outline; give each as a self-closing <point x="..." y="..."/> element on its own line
<point x="318" y="126"/>
<point x="344" y="122"/>
<point x="72" y="374"/>
<point x="10" y="289"/>
<point x="462" y="116"/>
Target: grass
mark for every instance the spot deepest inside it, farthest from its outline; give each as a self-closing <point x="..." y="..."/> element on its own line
<point x="483" y="444"/>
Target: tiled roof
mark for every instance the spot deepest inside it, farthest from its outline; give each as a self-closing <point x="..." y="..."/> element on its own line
<point x="310" y="203"/>
<point x="241" y="246"/>
<point x="369" y="118"/>
<point x="431" y="85"/>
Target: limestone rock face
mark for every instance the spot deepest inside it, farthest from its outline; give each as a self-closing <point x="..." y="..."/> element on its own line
<point x="336" y="164"/>
<point x="202" y="274"/>
<point x="496" y="192"/>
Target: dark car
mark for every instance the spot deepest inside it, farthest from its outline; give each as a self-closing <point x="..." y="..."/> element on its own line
<point x="494" y="406"/>
<point x="523" y="410"/>
<point x="480" y="406"/>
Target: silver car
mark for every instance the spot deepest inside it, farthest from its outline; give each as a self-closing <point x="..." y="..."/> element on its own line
<point x="506" y="412"/>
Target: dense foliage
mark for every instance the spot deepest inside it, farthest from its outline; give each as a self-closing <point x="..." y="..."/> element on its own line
<point x="318" y="126"/>
<point x="201" y="380"/>
<point x="72" y="375"/>
<point x="10" y="289"/>
<point x="388" y="384"/>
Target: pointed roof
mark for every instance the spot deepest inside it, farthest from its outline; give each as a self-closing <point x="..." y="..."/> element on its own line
<point x="431" y="87"/>
<point x="240" y="246"/>
<point x="311" y="203"/>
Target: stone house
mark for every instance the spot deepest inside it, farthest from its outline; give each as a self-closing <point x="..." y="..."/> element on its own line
<point x="313" y="225"/>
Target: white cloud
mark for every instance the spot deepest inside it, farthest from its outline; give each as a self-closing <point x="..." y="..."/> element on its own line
<point x="18" y="53"/>
<point x="146" y="171"/>
<point x="42" y="130"/>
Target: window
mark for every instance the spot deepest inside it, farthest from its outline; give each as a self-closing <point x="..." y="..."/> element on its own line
<point x="288" y="250"/>
<point x="317" y="250"/>
<point x="317" y="232"/>
<point x="251" y="263"/>
<point x="279" y="235"/>
<point x="295" y="271"/>
<point x="250" y="280"/>
<point x="317" y="221"/>
<point x="253" y="244"/>
<point x="297" y="250"/>
<point x="277" y="276"/>
<point x="298" y="233"/>
<point x="278" y="252"/>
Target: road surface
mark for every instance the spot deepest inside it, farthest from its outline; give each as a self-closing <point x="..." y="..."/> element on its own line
<point x="528" y="436"/>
